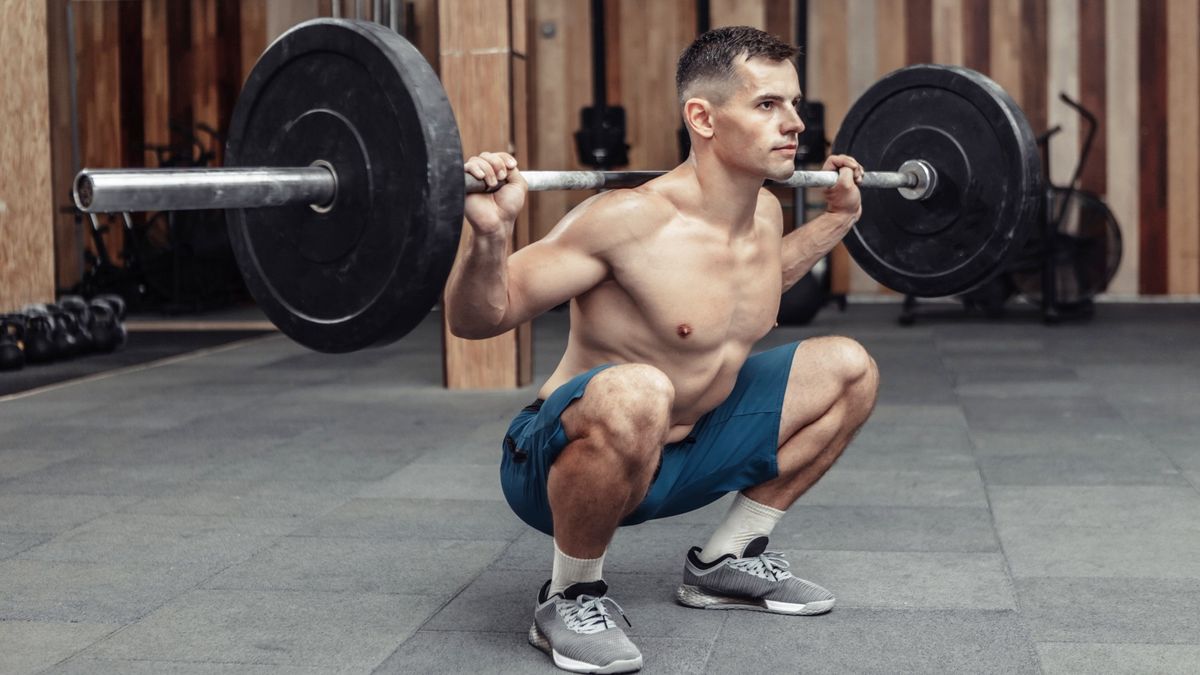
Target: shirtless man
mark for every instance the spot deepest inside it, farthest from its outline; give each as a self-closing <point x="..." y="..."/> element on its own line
<point x="657" y="407"/>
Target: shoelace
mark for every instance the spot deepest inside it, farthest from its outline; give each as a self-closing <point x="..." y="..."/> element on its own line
<point x="589" y="614"/>
<point x="769" y="565"/>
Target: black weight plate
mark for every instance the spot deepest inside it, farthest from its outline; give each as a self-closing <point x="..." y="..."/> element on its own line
<point x="988" y="191"/>
<point x="368" y="269"/>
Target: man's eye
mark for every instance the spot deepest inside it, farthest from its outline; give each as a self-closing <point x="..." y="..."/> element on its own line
<point x="765" y="105"/>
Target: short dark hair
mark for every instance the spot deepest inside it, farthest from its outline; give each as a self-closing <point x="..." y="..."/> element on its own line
<point x="712" y="55"/>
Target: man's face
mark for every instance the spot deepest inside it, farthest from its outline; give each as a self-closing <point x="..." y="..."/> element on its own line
<point x="756" y="128"/>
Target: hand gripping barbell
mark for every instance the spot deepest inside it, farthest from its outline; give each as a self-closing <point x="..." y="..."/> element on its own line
<point x="344" y="184"/>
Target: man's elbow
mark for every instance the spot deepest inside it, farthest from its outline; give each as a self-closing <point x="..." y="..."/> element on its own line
<point x="471" y="328"/>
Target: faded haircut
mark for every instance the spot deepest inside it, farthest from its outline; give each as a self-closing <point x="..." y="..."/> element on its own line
<point x="714" y="55"/>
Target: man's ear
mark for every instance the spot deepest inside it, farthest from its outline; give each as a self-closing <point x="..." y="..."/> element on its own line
<point x="698" y="115"/>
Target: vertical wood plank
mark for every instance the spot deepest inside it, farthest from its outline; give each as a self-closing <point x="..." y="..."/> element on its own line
<point x="1092" y="92"/>
<point x="1032" y="96"/>
<point x="890" y="36"/>
<point x="475" y="67"/>
<point x="26" y="201"/>
<point x="1183" y="147"/>
<point x="560" y="86"/>
<point x="861" y="62"/>
<point x="206" y="103"/>
<point x="1121" y="31"/>
<point x="519" y="12"/>
<point x="738" y="13"/>
<point x="827" y="82"/>
<point x="253" y="24"/>
<point x="68" y="236"/>
<point x="948" y="31"/>
<point x="976" y="27"/>
<point x="1062" y="75"/>
<point x="1004" y="23"/>
<point x="919" y="25"/>
<point x="156" y="84"/>
<point x="1152" y="197"/>
<point x="98" y="58"/>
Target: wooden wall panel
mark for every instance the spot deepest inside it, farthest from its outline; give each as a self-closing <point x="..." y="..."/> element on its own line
<point x="948" y="31"/>
<point x="977" y="42"/>
<point x="890" y="33"/>
<point x="1183" y="148"/>
<point x="98" y="62"/>
<point x="1062" y="76"/>
<point x="156" y="78"/>
<point x="1152" y="142"/>
<point x="26" y="200"/>
<point x="1121" y="111"/>
<point x="68" y="235"/>
<point x="827" y="83"/>
<point x="738" y="13"/>
<point x="476" y="62"/>
<point x="918" y="22"/>
<point x="1092" y="91"/>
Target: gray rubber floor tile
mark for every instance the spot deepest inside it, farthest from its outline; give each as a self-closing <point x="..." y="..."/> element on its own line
<point x="969" y="384"/>
<point x="906" y="580"/>
<point x="1117" y="659"/>
<point x="883" y="447"/>
<point x="250" y="499"/>
<point x="1064" y="414"/>
<point x="55" y="513"/>
<point x="870" y="487"/>
<point x="350" y="631"/>
<point x="163" y="540"/>
<point x="57" y="438"/>
<point x="1183" y="449"/>
<point x="1111" y="610"/>
<point x="30" y="646"/>
<point x="439" y="481"/>
<point x="1058" y="551"/>
<point x="12" y="543"/>
<point x="307" y="459"/>
<point x="422" y="566"/>
<point x="971" y="347"/>
<point x="88" y="666"/>
<point x="416" y="518"/>
<point x="1134" y="507"/>
<point x="649" y="548"/>
<point x="885" y="528"/>
<point x="504" y="653"/>
<point x="37" y="590"/>
<point x="902" y="414"/>
<point x="1050" y="441"/>
<point x="1135" y="467"/>
<point x="18" y="461"/>
<point x="88" y="476"/>
<point x="875" y="641"/>
<point x="503" y="600"/>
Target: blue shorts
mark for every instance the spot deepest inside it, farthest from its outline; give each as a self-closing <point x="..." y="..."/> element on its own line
<point x="731" y="448"/>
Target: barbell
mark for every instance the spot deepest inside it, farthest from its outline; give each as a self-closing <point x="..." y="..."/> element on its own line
<point x="344" y="185"/>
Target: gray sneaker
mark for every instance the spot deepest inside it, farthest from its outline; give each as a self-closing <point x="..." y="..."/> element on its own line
<point x="575" y="629"/>
<point x="759" y="581"/>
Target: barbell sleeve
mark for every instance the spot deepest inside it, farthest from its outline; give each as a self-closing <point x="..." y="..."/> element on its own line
<point x="115" y="190"/>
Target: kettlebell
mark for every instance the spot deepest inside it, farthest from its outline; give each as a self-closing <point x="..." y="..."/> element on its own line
<point x="39" y="345"/>
<point x="116" y="302"/>
<point x="78" y="309"/>
<point x="12" y="356"/>
<point x="62" y="333"/>
<point x="104" y="327"/>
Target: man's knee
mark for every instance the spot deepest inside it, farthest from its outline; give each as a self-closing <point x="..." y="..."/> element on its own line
<point x="850" y="363"/>
<point x="626" y="406"/>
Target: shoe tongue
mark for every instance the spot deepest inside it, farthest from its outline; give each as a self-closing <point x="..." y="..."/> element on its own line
<point x="592" y="588"/>
<point x="755" y="548"/>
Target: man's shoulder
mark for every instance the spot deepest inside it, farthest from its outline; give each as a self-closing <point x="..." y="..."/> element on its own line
<point x="619" y="214"/>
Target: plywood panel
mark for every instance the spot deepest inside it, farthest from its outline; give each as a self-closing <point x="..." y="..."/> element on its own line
<point x="919" y="26"/>
<point x="476" y="68"/>
<point x="26" y="202"/>
<point x="1032" y="95"/>
<point x="561" y="85"/>
<point x="98" y="60"/>
<point x="1005" y="42"/>
<point x="205" y="55"/>
<point x="1121" y="115"/>
<point x="1183" y="147"/>
<point x="1152" y="143"/>
<point x="861" y="62"/>
<point x="68" y="237"/>
<point x="891" y="50"/>
<point x="652" y="36"/>
<point x="156" y="78"/>
<point x="1062" y="75"/>
<point x="253" y="21"/>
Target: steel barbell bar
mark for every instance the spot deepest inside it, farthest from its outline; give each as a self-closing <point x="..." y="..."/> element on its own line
<point x="125" y="190"/>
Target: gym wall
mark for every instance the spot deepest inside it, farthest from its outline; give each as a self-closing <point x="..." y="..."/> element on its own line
<point x="1135" y="64"/>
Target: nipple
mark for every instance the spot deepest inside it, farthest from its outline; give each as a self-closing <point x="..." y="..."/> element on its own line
<point x="683" y="330"/>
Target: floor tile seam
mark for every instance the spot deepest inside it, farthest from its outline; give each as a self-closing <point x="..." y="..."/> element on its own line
<point x="440" y="608"/>
<point x="83" y="649"/>
<point x="712" y="643"/>
<point x="1121" y="411"/>
<point x="1122" y="643"/>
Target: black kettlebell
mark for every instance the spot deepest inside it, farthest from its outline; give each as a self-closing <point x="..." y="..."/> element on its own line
<point x="12" y="356"/>
<point x="39" y="343"/>
<point x="116" y="302"/>
<point x="62" y="332"/>
<point x="104" y="327"/>
<point x="78" y="309"/>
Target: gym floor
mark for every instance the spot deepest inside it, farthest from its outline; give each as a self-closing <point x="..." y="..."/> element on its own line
<point x="1024" y="499"/>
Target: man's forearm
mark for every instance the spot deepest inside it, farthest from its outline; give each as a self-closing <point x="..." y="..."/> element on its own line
<point x="477" y="291"/>
<point x="806" y="245"/>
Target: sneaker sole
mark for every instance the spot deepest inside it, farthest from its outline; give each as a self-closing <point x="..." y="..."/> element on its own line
<point x="537" y="639"/>
<point x="694" y="596"/>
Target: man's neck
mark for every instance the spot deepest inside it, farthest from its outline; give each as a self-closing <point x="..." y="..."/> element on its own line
<point x="727" y="198"/>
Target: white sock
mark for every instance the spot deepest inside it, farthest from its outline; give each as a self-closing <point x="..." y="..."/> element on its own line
<point x="746" y="521"/>
<point x="568" y="570"/>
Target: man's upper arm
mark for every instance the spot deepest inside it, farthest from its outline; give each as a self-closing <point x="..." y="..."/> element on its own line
<point x="573" y="258"/>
